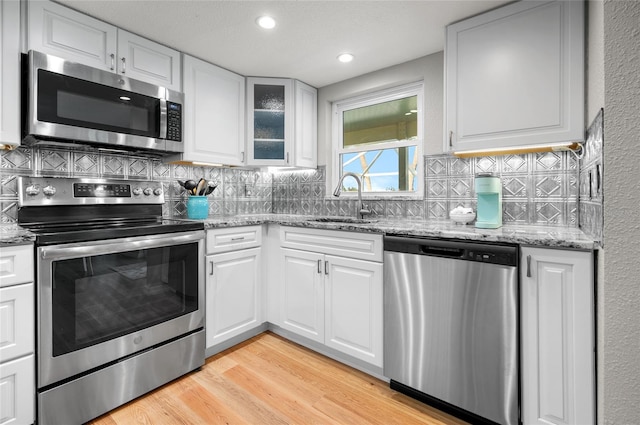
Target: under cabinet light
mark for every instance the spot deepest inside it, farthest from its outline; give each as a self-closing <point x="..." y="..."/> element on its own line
<point x="574" y="147"/>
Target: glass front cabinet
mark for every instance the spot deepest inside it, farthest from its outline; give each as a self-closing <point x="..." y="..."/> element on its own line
<point x="281" y="123"/>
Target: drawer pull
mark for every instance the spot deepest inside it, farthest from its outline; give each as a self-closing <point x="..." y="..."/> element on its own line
<point x="241" y="238"/>
<point x="211" y="272"/>
<point x="326" y="267"/>
<point x="528" y="266"/>
<point x="319" y="266"/>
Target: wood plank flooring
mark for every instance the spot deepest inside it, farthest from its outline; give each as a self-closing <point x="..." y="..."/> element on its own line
<point x="269" y="380"/>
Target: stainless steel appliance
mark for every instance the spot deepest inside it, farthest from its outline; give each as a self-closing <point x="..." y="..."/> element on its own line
<point x="451" y="326"/>
<point x="77" y="103"/>
<point x="120" y="293"/>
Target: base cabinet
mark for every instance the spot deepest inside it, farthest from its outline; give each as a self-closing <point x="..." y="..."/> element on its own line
<point x="10" y="73"/>
<point x="234" y="300"/>
<point x="557" y="319"/>
<point x="333" y="300"/>
<point x="17" y="335"/>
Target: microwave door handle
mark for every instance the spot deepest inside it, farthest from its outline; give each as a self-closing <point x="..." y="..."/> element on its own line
<point x="163" y="119"/>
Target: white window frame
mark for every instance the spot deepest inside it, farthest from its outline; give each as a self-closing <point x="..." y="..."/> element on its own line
<point x="380" y="96"/>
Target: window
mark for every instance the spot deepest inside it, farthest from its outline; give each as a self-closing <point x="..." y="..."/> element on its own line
<point x="379" y="138"/>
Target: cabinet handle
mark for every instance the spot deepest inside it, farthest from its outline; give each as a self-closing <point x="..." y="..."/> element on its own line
<point x="319" y="266"/>
<point x="211" y="272"/>
<point x="124" y="64"/>
<point x="242" y="153"/>
<point x="287" y="157"/>
<point x="113" y="61"/>
<point x="326" y="267"/>
<point x="241" y="238"/>
<point x="528" y="266"/>
<point x="451" y="138"/>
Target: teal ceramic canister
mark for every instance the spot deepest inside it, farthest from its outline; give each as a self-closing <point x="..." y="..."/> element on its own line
<point x="197" y="207"/>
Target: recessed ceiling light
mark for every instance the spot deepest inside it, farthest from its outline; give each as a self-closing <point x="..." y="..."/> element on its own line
<point x="345" y="57"/>
<point x="266" y="22"/>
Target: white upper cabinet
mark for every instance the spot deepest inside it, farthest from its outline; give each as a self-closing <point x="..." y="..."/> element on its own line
<point x="515" y="77"/>
<point x="63" y="32"/>
<point x="214" y="113"/>
<point x="281" y="123"/>
<point x="10" y="72"/>
<point x="145" y="60"/>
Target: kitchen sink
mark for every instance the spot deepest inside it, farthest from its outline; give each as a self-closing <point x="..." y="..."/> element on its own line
<point x="349" y="220"/>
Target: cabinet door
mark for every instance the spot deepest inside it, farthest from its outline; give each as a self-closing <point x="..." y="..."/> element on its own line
<point x="233" y="294"/>
<point x="302" y="293"/>
<point x="148" y="61"/>
<point x="306" y="123"/>
<point x="59" y="31"/>
<point x="270" y="121"/>
<point x="214" y="113"/>
<point x="515" y="76"/>
<point x="10" y="72"/>
<point x="17" y="333"/>
<point x="558" y="384"/>
<point x="353" y="299"/>
<point x="17" y="391"/>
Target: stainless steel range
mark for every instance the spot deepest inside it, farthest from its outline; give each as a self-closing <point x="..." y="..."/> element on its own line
<point x="120" y="293"/>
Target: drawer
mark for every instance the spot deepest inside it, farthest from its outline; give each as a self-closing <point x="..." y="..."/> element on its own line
<point x="363" y="246"/>
<point x="16" y="265"/>
<point x="17" y="328"/>
<point x="233" y="239"/>
<point x="17" y="391"/>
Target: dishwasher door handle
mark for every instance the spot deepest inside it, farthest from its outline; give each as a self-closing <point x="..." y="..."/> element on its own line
<point x="442" y="251"/>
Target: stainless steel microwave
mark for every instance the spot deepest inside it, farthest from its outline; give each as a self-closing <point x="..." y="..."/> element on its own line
<point x="73" y="102"/>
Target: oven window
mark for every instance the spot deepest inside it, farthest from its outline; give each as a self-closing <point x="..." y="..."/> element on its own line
<point x="102" y="297"/>
<point x="72" y="101"/>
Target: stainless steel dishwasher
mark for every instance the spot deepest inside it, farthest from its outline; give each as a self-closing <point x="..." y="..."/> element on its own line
<point x="451" y="326"/>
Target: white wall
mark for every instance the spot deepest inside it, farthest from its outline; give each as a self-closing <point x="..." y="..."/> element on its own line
<point x="619" y="290"/>
<point x="428" y="68"/>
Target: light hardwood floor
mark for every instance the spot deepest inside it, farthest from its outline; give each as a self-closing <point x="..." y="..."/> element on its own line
<point x="269" y="380"/>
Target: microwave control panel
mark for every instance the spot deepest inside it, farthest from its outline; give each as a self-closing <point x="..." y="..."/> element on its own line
<point x="174" y="121"/>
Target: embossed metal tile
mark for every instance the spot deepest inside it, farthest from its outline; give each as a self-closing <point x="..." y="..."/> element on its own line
<point x="437" y="188"/>
<point x="515" y="163"/>
<point x="138" y="168"/>
<point x="9" y="211"/>
<point x="549" y="186"/>
<point x="415" y="209"/>
<point x="548" y="213"/>
<point x="515" y="212"/>
<point x="113" y="166"/>
<point x="395" y="209"/>
<point x="18" y="160"/>
<point x="436" y="166"/>
<point x="548" y="161"/>
<point x="9" y="186"/>
<point x="486" y="164"/>
<point x="514" y="187"/>
<point x="54" y="162"/>
<point x="85" y="163"/>
<point x="160" y="170"/>
<point x="460" y="188"/>
<point x="179" y="171"/>
<point x="460" y="166"/>
<point x="437" y="209"/>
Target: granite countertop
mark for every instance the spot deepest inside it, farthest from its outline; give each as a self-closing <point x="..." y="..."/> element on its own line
<point x="544" y="236"/>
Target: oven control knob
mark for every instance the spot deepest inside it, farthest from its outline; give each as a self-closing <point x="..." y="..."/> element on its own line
<point x="137" y="191"/>
<point x="147" y="191"/>
<point x="49" y="190"/>
<point x="32" y="190"/>
<point x="157" y="191"/>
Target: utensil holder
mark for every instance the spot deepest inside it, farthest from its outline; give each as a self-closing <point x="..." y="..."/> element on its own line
<point x="197" y="207"/>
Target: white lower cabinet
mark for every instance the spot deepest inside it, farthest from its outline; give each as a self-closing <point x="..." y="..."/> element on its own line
<point x="557" y="319"/>
<point x="233" y="284"/>
<point x="333" y="300"/>
<point x="17" y="335"/>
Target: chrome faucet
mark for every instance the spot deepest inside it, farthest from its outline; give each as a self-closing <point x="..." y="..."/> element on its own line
<point x="362" y="210"/>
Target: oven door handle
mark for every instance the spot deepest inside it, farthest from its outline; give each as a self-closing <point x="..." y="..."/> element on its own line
<point x="117" y="245"/>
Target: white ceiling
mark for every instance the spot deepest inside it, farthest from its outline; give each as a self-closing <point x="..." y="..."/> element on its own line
<point x="307" y="39"/>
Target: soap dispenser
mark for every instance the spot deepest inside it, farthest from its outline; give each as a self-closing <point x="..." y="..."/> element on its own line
<point x="489" y="197"/>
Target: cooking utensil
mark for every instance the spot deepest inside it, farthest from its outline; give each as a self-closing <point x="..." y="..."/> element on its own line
<point x="210" y="187"/>
<point x="201" y="187"/>
<point x="189" y="184"/>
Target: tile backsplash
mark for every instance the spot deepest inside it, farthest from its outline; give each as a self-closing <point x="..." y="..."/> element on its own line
<point x="239" y="191"/>
<point x="592" y="180"/>
<point x="538" y="188"/>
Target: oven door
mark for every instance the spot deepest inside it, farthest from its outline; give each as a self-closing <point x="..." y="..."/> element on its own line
<point x="75" y="102"/>
<point x="101" y="301"/>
